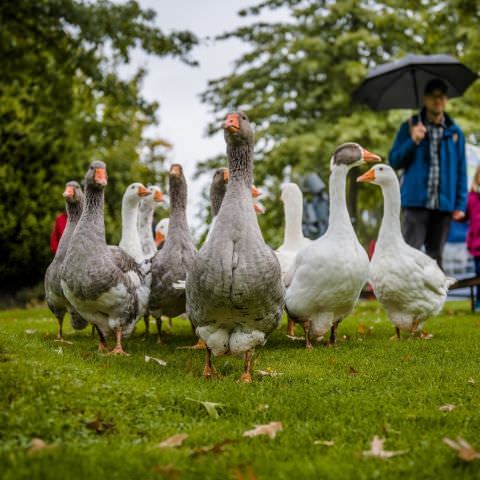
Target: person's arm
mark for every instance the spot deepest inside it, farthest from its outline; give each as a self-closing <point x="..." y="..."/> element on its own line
<point x="461" y="187"/>
<point x="402" y="152"/>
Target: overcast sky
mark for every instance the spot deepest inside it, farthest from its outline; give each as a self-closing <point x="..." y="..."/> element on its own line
<point x="176" y="86"/>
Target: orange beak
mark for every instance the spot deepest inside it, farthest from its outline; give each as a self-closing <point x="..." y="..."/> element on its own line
<point x="226" y="175"/>
<point x="69" y="192"/>
<point x="143" y="191"/>
<point x="232" y="123"/>
<point x="100" y="176"/>
<point x="258" y="209"/>
<point x="159" y="238"/>
<point x="255" y="192"/>
<point x="158" y="196"/>
<point x="370" y="157"/>
<point x="368" y="176"/>
<point x="175" y="170"/>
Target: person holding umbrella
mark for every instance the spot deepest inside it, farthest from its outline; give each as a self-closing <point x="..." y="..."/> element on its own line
<point x="430" y="149"/>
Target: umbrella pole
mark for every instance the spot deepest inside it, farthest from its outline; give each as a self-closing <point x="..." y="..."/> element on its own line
<point x="415" y="89"/>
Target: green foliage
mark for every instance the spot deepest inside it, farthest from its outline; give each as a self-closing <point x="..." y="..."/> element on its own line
<point x="104" y="416"/>
<point x="297" y="79"/>
<point x="62" y="104"/>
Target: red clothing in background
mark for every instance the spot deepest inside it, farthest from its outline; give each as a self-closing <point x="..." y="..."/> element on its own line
<point x="58" y="228"/>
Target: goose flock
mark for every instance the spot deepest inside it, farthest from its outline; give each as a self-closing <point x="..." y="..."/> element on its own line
<point x="235" y="288"/>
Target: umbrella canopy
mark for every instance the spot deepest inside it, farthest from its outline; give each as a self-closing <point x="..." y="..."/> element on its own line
<point x="401" y="84"/>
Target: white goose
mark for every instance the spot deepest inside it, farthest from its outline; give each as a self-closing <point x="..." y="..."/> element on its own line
<point x="161" y="232"/>
<point x="293" y="239"/>
<point x="409" y="284"/>
<point x="328" y="275"/>
<point x="130" y="241"/>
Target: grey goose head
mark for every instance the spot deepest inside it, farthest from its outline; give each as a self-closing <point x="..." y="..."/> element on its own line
<point x="237" y="129"/>
<point x="178" y="186"/>
<point x="73" y="193"/>
<point x="352" y="155"/>
<point x="218" y="188"/>
<point x="96" y="176"/>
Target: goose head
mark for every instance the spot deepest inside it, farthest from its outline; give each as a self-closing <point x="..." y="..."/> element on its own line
<point x="73" y="192"/>
<point x="237" y="129"/>
<point x="161" y="231"/>
<point x="291" y="193"/>
<point x="218" y="188"/>
<point x="134" y="193"/>
<point x="96" y="176"/>
<point x="352" y="155"/>
<point x="157" y="194"/>
<point x="382" y="175"/>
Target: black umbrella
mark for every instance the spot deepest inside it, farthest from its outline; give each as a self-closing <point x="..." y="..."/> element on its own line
<point x="401" y="84"/>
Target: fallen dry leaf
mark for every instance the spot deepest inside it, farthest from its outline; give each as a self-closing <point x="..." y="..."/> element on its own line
<point x="269" y="373"/>
<point x="210" y="407"/>
<point x="269" y="429"/>
<point x="248" y="474"/>
<point x="326" y="443"/>
<point x="157" y="360"/>
<point x="471" y="381"/>
<point x="38" y="445"/>
<point x="464" y="450"/>
<point x="293" y="337"/>
<point x="353" y="371"/>
<point x="100" y="426"/>
<point x="448" y="407"/>
<point x="376" y="449"/>
<point x="168" y="471"/>
<point x="216" y="448"/>
<point x="173" y="441"/>
<point x="426" y="335"/>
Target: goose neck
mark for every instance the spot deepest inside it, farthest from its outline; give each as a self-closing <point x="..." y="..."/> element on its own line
<point x="92" y="219"/>
<point x="339" y="219"/>
<point x="129" y="223"/>
<point x="293" y="221"/>
<point x="240" y="164"/>
<point x="390" y="230"/>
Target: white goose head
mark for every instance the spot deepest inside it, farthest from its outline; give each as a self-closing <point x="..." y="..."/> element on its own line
<point x="161" y="231"/>
<point x="134" y="193"/>
<point x="382" y="175"/>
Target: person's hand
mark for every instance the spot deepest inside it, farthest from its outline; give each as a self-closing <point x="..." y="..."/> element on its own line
<point x="418" y="132"/>
<point x="458" y="215"/>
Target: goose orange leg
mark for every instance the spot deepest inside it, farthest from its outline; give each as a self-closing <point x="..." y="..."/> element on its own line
<point x="290" y="326"/>
<point x="208" y="369"/>
<point x="118" y="350"/>
<point x="246" y="375"/>
<point x="306" y="328"/>
<point x="102" y="345"/>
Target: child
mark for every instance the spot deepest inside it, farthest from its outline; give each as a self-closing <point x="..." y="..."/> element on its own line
<point x="473" y="235"/>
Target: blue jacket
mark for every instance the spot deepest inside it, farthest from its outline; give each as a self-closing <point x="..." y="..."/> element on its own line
<point x="415" y="161"/>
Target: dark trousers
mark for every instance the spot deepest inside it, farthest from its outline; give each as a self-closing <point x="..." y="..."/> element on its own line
<point x="477" y="272"/>
<point x="429" y="228"/>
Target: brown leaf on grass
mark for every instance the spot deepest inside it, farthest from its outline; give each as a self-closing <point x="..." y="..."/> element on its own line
<point x="471" y="381"/>
<point x="173" y="441"/>
<point x="426" y="336"/>
<point x="215" y="448"/>
<point x="325" y="443"/>
<point x="245" y="473"/>
<point x="352" y="371"/>
<point x="363" y="329"/>
<point x="100" y="426"/>
<point x="464" y="450"/>
<point x="294" y="338"/>
<point x="269" y="429"/>
<point x="376" y="449"/>
<point x="448" y="407"/>
<point x="38" y="445"/>
<point x="168" y="471"/>
<point x="210" y="407"/>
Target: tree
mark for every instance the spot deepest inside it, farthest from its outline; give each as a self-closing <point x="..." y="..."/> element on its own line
<point x="297" y="79"/>
<point x="63" y="104"/>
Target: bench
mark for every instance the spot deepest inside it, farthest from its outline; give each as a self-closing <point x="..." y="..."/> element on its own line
<point x="469" y="282"/>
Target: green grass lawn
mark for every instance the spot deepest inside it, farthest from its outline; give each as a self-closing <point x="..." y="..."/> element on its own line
<point x="55" y="391"/>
